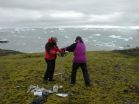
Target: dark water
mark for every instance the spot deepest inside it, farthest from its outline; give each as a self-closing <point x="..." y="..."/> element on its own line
<point x="34" y="39"/>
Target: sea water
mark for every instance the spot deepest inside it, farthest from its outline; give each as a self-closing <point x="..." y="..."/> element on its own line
<point x="34" y="39"/>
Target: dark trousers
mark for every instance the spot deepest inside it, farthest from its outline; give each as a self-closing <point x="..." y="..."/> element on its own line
<point x="83" y="66"/>
<point x="50" y="70"/>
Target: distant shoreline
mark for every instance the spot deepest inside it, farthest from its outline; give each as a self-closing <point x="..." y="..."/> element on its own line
<point x="4" y="41"/>
<point x="4" y="52"/>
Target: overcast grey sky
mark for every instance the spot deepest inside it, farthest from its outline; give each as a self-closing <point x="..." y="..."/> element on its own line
<point x="69" y="12"/>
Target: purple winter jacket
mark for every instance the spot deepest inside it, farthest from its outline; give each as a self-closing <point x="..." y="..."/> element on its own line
<point x="80" y="53"/>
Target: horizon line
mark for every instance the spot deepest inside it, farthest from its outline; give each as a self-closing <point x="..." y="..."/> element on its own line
<point x="78" y="26"/>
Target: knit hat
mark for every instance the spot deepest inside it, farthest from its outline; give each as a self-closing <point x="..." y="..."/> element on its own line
<point x="52" y="40"/>
<point x="78" y="39"/>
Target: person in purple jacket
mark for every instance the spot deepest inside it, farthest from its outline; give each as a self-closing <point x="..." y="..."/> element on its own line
<point x="79" y="60"/>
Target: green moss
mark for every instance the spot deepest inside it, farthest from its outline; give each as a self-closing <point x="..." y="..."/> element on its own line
<point x="114" y="77"/>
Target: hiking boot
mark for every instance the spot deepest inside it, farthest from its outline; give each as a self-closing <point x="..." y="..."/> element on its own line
<point x="87" y="85"/>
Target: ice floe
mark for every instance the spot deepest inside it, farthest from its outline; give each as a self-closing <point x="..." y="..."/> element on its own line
<point x="121" y="47"/>
<point x="4" y="40"/>
<point x="105" y="44"/>
<point x="67" y="37"/>
<point x="97" y="34"/>
<point x="40" y="37"/>
<point x="60" y="29"/>
<point x="122" y="38"/>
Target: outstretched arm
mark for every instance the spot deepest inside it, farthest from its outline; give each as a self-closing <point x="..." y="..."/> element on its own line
<point x="70" y="48"/>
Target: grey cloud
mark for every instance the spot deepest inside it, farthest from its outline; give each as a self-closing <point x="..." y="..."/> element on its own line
<point x="67" y="12"/>
<point x="89" y="6"/>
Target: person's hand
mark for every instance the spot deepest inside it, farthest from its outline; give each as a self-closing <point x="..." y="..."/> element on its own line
<point x="58" y="53"/>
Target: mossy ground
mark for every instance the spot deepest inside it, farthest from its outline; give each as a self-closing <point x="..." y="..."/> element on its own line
<point x="114" y="76"/>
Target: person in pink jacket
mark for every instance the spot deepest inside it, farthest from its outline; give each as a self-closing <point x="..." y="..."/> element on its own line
<point x="79" y="60"/>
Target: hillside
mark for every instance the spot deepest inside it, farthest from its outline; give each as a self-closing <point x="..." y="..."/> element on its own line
<point x="4" y="52"/>
<point x="114" y="75"/>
